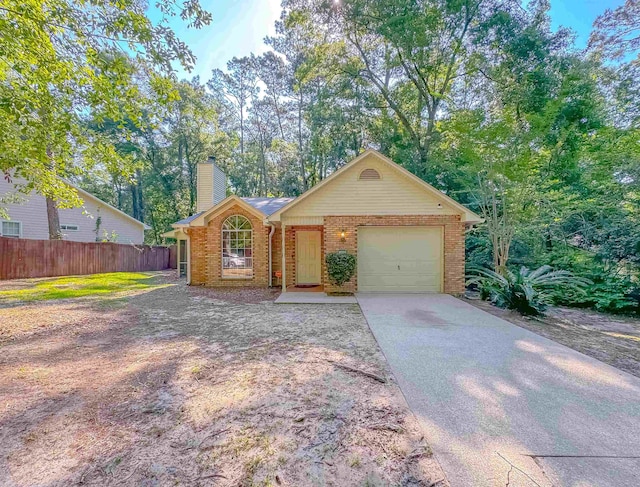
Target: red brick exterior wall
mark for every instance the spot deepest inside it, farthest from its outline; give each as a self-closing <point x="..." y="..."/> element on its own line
<point x="198" y="255"/>
<point x="206" y="252"/>
<point x="206" y="260"/>
<point x="453" y="243"/>
<point x="290" y="245"/>
<point x="276" y="256"/>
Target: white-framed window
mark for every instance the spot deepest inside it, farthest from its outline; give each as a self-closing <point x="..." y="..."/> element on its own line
<point x="11" y="229"/>
<point x="70" y="227"/>
<point x="237" y="247"/>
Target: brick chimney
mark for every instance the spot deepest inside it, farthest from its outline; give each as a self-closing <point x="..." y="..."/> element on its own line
<point x="211" y="184"/>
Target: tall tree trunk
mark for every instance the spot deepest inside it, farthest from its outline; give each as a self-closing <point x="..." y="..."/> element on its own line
<point x="262" y="184"/>
<point x="134" y="200"/>
<point x="53" y="217"/>
<point x="119" y="195"/>
<point x="192" y="188"/>
<point x="300" y="154"/>
<point x="241" y="129"/>
<point x="191" y="171"/>
<point x="278" y="116"/>
<point x="137" y="204"/>
<point x="156" y="233"/>
<point x="263" y="169"/>
<point x="499" y="225"/>
<point x="140" y="197"/>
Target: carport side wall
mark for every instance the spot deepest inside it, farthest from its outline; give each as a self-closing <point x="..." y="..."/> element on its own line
<point x="453" y="243"/>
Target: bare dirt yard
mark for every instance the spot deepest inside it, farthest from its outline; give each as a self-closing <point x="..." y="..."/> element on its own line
<point x="171" y="385"/>
<point x="612" y="339"/>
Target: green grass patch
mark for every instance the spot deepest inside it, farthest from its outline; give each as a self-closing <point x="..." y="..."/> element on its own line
<point x="69" y="287"/>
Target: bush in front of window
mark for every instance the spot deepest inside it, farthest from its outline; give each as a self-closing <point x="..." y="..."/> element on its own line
<point x="341" y="266"/>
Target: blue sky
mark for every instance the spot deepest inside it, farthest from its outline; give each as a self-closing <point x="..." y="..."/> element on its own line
<point x="239" y="27"/>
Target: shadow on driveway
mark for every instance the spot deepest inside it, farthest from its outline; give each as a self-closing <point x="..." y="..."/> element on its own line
<point x="502" y="405"/>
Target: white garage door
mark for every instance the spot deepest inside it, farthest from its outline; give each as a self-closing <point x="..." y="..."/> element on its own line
<point x="400" y="259"/>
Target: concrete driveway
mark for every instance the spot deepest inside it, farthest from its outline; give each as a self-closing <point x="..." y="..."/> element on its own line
<point x="502" y="405"/>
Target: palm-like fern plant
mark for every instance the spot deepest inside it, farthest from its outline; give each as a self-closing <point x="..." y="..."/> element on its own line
<point x="526" y="291"/>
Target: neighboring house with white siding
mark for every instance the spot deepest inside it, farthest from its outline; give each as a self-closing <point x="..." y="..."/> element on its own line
<point x="28" y="219"/>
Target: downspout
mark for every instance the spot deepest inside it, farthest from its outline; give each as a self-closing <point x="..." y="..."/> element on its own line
<point x="284" y="258"/>
<point x="186" y="231"/>
<point x="271" y="232"/>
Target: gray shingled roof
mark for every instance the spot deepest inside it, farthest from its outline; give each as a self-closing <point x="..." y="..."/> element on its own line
<point x="189" y="219"/>
<point x="268" y="206"/>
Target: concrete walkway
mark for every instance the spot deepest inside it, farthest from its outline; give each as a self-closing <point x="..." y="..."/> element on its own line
<point x="313" y="298"/>
<point x="504" y="406"/>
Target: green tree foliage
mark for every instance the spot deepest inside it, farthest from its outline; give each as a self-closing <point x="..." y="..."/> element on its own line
<point x="482" y="99"/>
<point x="164" y="152"/>
<point x="63" y="60"/>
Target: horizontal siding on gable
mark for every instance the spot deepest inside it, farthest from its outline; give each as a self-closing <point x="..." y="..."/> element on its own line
<point x="204" y="184"/>
<point x="393" y="194"/>
<point x="303" y="220"/>
<point x="111" y="221"/>
<point x="32" y="213"/>
<point x="219" y="185"/>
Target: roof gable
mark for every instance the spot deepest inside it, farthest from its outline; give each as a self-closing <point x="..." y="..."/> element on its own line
<point x="394" y="191"/>
<point x="86" y="194"/>
<point x="201" y="218"/>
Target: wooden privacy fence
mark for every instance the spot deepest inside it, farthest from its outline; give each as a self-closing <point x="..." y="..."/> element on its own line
<point x="21" y="258"/>
<point x="173" y="257"/>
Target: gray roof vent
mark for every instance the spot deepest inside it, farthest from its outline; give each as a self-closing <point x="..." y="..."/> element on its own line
<point x="369" y="175"/>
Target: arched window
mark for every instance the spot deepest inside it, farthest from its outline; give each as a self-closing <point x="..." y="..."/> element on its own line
<point x="237" y="247"/>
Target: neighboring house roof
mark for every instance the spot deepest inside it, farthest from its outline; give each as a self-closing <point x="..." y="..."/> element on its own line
<point x="469" y="216"/>
<point x="268" y="205"/>
<point x="85" y="194"/>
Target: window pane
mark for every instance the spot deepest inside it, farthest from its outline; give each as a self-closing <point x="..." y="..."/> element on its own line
<point x="11" y="229"/>
<point x="237" y="253"/>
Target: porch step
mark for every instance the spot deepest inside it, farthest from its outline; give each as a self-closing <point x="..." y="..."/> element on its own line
<point x="313" y="298"/>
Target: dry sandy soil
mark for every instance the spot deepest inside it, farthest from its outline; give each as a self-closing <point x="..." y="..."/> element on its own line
<point x="612" y="339"/>
<point x="183" y="386"/>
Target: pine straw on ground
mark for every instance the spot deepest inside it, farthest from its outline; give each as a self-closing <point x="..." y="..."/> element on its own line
<point x="184" y="386"/>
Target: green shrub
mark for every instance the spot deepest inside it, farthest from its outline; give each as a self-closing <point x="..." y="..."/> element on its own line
<point x="610" y="290"/>
<point x="528" y="292"/>
<point x="341" y="267"/>
<point x="613" y="289"/>
<point x="609" y="293"/>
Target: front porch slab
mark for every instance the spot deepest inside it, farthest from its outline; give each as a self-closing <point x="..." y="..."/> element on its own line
<point x="313" y="298"/>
